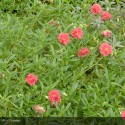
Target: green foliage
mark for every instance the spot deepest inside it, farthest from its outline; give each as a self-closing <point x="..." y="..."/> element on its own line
<point x="91" y="86"/>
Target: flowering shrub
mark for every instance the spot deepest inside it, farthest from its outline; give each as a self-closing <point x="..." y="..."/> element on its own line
<point x="76" y="54"/>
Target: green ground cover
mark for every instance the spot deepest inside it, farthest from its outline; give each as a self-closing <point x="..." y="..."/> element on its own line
<point x="90" y="86"/>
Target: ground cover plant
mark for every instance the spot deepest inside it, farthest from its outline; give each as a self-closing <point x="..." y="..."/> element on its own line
<point x="62" y="59"/>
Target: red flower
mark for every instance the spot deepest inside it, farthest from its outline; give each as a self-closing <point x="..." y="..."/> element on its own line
<point x="53" y="22"/>
<point x="105" y="49"/>
<point x="123" y="114"/>
<point x="64" y="38"/>
<point x="39" y="109"/>
<point x="105" y="16"/>
<point x="31" y="79"/>
<point x="106" y="33"/>
<point x="57" y="24"/>
<point x="54" y="97"/>
<point x="83" y="52"/>
<point x="96" y="9"/>
<point x="77" y="33"/>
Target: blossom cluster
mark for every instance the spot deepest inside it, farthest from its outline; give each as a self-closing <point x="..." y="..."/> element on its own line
<point x="97" y="9"/>
<point x="77" y="33"/>
<point x="53" y="95"/>
<point x="105" y="48"/>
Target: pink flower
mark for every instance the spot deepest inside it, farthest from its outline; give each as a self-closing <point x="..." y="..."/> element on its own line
<point x="123" y="114"/>
<point x="54" y="97"/>
<point x="31" y="79"/>
<point x="39" y="109"/>
<point x="106" y="33"/>
<point x="64" y="38"/>
<point x="96" y="9"/>
<point x="83" y="52"/>
<point x="105" y="49"/>
<point x="77" y="33"/>
<point x="105" y="16"/>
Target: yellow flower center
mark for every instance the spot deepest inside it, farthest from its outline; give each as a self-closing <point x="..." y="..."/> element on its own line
<point x="106" y="49"/>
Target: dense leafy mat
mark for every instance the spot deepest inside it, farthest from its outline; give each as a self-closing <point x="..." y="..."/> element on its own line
<point x="90" y="86"/>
